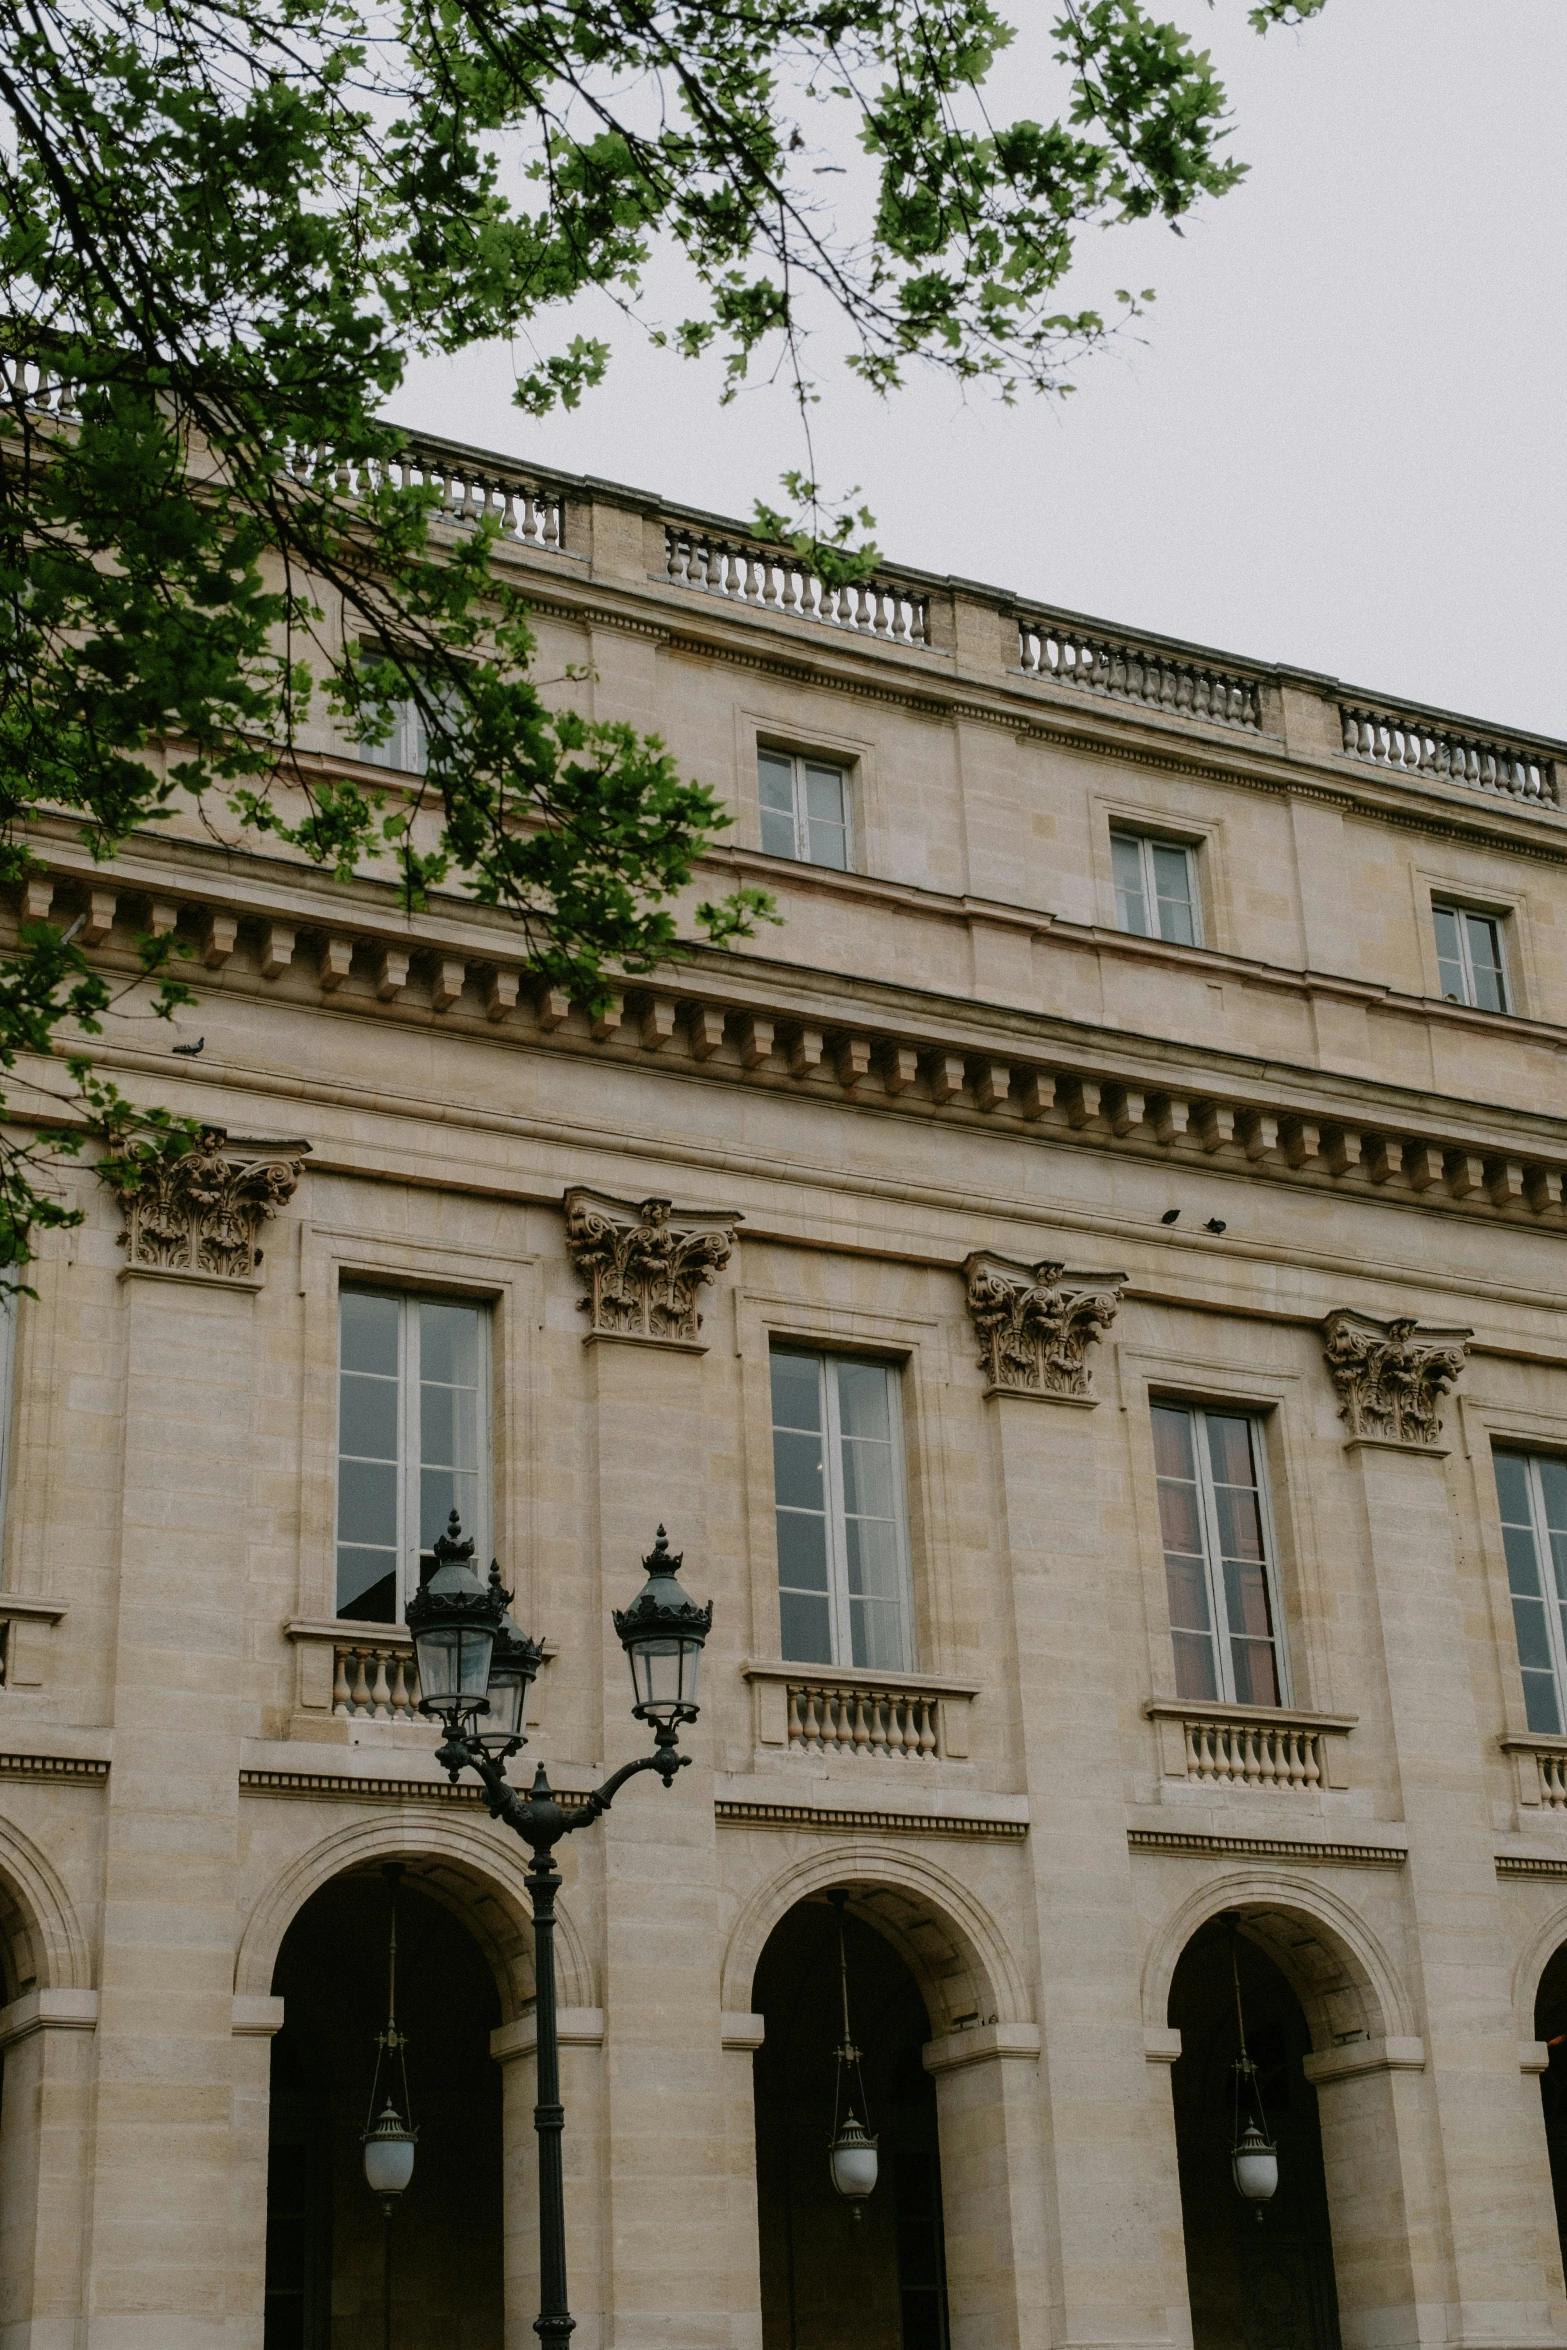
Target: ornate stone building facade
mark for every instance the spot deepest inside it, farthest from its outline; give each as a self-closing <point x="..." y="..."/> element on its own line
<point x="1085" y="1296"/>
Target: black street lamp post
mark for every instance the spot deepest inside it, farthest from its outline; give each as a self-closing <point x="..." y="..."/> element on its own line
<point x="475" y="1669"/>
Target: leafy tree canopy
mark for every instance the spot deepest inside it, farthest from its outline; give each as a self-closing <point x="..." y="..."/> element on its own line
<point x="224" y="224"/>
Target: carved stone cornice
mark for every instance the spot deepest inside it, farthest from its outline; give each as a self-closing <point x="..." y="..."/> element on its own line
<point x="1035" y="1322"/>
<point x="201" y="1215"/>
<point x="1391" y="1376"/>
<point x="644" y="1262"/>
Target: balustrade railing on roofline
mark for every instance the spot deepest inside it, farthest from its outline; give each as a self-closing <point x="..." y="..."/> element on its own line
<point x="24" y="381"/>
<point x="1129" y="672"/>
<point x="1427" y="746"/>
<point x="470" y="493"/>
<point x="745" y="572"/>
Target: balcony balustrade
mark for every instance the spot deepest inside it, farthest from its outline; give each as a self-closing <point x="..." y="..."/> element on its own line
<point x="863" y="1716"/>
<point x="1251" y="1747"/>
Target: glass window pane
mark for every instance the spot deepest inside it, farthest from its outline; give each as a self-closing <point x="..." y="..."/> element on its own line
<point x="1541" y="1708"/>
<point x="1172" y="1442"/>
<point x="1240" y="1522"/>
<point x="797" y="1391"/>
<point x="1131" y="907"/>
<point x="1523" y="1564"/>
<point x="778" y="834"/>
<point x="1187" y="1584"/>
<point x="449" y="1344"/>
<point x="868" y="1484"/>
<point x="1172" y="869"/>
<point x="802" y="1551"/>
<point x="873" y="1560"/>
<point x="824" y="795"/>
<point x="369" y="1332"/>
<point x="367" y="1502"/>
<point x="1229" y="1449"/>
<point x="828" y="844"/>
<point x="797" y="1470"/>
<point x="805" y="1629"/>
<point x="366" y="1585"/>
<point x="449" y="1427"/>
<point x="1512" y="1488"/>
<point x="1534" y="1640"/>
<point x="1195" y="1672"/>
<point x="1449" y="954"/>
<point x="1553" y="1489"/>
<point x="367" y="1417"/>
<point x="1256" y="1672"/>
<point x="775" y="782"/>
<point x="864" y="1399"/>
<point x="440" y="1492"/>
<point x="1485" y="956"/>
<point x="1246" y="1601"/>
<point x="1180" y="1521"/>
<point x="876" y="1635"/>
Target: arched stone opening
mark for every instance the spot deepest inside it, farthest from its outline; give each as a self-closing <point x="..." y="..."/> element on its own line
<point x="47" y="2016"/>
<point x="833" y="2276"/>
<point x="1259" y="2274"/>
<point x="326" y="2236"/>
<point x="1550" y="2025"/>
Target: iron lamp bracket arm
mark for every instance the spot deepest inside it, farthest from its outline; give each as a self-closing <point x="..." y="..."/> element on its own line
<point x="540" y="1818"/>
<point x="666" y="1763"/>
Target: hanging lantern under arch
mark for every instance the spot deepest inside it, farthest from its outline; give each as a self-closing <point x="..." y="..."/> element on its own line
<point x="852" y="2158"/>
<point x="1254" y="2158"/>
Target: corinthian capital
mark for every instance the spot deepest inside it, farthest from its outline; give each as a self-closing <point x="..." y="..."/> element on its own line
<point x="1391" y="1376"/>
<point x="202" y="1214"/>
<point x="644" y="1262"/>
<point x="1035" y="1322"/>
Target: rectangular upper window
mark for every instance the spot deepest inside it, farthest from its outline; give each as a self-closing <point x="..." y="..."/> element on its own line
<point x="805" y="809"/>
<point x="843" y="1574"/>
<point x="1155" y="888"/>
<point x="1532" y="1491"/>
<point x="412" y="1443"/>
<point x="1469" y="958"/>
<point x="1218" y="1564"/>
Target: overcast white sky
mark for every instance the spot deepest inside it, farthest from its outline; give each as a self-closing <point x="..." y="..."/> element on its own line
<point x="1340" y="441"/>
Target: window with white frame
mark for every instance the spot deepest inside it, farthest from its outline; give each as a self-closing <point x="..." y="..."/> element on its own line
<point x="412" y="1442"/>
<point x="1469" y="958"/>
<point x="1155" y="888"/>
<point x="1218" y="1555"/>
<point x="805" y="809"/>
<point x="1531" y="1489"/>
<point x="843" y="1547"/>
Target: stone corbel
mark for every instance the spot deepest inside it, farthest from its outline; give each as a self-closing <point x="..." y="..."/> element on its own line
<point x="1391" y="1376"/>
<point x="199" y="1217"/>
<point x="644" y="1263"/>
<point x="1035" y="1324"/>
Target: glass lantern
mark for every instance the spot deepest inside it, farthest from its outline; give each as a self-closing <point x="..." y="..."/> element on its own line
<point x="454" y="1620"/>
<point x="1255" y="2165"/>
<point x="389" y="2153"/>
<point x="514" y="1664"/>
<point x="852" y="2157"/>
<point x="662" y="1633"/>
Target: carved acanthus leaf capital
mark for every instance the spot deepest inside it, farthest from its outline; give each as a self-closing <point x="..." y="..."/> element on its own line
<point x="1391" y="1376"/>
<point x="643" y="1262"/>
<point x="202" y="1213"/>
<point x="1035" y="1323"/>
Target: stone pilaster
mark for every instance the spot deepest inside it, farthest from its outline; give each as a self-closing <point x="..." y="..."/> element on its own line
<point x="1480" y="2233"/>
<point x="1114" y="2279"/>
<point x="169" y="2121"/>
<point x="47" y="2040"/>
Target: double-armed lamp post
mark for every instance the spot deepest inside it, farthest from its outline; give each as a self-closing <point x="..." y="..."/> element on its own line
<point x="475" y="1670"/>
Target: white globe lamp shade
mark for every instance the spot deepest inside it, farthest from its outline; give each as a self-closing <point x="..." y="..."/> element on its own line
<point x="1255" y="2164"/>
<point x="389" y="2153"/>
<point x="852" y="2156"/>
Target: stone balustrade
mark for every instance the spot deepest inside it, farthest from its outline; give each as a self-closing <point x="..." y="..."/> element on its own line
<point x="375" y="1680"/>
<point x="901" y="1717"/>
<point x="1126" y="671"/>
<point x="1251" y="1747"/>
<point x="471" y="491"/>
<point x="1429" y="747"/>
<point x="747" y="572"/>
<point x="1540" y="1764"/>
